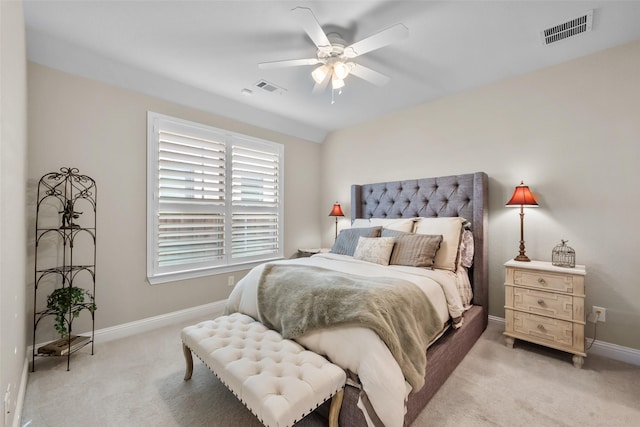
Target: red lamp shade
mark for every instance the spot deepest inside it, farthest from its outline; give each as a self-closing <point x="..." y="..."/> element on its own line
<point x="522" y="197"/>
<point x="336" y="210"/>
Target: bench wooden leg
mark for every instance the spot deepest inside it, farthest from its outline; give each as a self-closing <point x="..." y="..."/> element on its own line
<point x="334" y="409"/>
<point x="188" y="358"/>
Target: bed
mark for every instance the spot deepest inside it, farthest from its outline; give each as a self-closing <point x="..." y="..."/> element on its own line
<point x="380" y="386"/>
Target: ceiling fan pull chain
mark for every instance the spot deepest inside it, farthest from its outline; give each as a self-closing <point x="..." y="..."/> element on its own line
<point x="333" y="91"/>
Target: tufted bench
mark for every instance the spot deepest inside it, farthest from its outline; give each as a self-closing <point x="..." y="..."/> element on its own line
<point x="275" y="378"/>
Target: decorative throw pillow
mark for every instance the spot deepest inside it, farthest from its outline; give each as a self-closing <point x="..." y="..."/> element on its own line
<point x="414" y="250"/>
<point x="374" y="249"/>
<point x="465" y="260"/>
<point x="347" y="240"/>
<point x="450" y="228"/>
<point x="466" y="248"/>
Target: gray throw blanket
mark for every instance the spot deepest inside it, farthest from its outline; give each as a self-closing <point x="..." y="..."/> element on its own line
<point x="295" y="299"/>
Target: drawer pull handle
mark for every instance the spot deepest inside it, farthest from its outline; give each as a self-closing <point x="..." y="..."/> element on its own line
<point x="541" y="281"/>
<point x="541" y="302"/>
<point x="541" y="327"/>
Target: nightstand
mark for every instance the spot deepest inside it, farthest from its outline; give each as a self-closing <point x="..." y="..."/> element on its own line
<point x="544" y="304"/>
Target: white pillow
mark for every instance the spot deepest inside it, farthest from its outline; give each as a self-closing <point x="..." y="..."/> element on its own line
<point x="398" y="224"/>
<point x="374" y="249"/>
<point x="451" y="228"/>
<point x="361" y="223"/>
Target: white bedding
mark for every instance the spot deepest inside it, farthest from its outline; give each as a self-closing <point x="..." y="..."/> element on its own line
<point x="359" y="349"/>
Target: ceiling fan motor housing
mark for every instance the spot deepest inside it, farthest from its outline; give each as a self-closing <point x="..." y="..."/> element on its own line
<point x="335" y="50"/>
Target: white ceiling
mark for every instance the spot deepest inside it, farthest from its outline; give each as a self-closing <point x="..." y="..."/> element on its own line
<point x="203" y="53"/>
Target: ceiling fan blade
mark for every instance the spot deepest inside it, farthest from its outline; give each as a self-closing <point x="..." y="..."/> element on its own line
<point x="383" y="38"/>
<point x="369" y="75"/>
<point x="320" y="87"/>
<point x="310" y="24"/>
<point x="288" y="63"/>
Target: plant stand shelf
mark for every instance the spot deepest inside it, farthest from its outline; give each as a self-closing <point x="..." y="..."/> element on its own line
<point x="64" y="346"/>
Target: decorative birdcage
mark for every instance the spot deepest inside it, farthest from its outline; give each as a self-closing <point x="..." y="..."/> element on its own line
<point x="563" y="255"/>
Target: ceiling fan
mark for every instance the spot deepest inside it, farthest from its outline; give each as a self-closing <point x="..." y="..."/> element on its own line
<point x="334" y="56"/>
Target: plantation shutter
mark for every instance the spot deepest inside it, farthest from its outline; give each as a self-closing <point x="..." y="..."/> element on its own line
<point x="255" y="200"/>
<point x="191" y="197"/>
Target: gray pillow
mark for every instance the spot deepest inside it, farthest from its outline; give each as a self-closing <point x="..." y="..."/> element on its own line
<point x="414" y="250"/>
<point x="347" y="240"/>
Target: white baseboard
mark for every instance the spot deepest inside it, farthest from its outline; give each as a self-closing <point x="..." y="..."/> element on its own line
<point x="496" y="319"/>
<point x="144" y="325"/>
<point x="150" y="323"/>
<point x="615" y="351"/>
<point x="602" y="348"/>
<point x="22" y="390"/>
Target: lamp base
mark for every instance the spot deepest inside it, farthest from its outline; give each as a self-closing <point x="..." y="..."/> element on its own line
<point x="522" y="258"/>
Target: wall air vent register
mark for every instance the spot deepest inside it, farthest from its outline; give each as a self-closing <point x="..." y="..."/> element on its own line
<point x="269" y="87"/>
<point x="570" y="28"/>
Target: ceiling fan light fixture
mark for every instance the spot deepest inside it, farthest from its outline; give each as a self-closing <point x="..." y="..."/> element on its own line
<point x="341" y="70"/>
<point x="320" y="73"/>
<point x="336" y="83"/>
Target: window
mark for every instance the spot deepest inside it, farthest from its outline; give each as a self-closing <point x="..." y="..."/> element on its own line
<point x="214" y="200"/>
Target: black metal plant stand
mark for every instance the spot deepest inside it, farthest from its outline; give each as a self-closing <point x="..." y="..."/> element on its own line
<point x="65" y="258"/>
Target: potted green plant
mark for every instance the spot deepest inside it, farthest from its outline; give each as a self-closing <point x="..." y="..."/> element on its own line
<point x="66" y="301"/>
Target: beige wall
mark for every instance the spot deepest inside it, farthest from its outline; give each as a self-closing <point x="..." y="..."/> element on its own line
<point x="571" y="132"/>
<point x="13" y="249"/>
<point x="101" y="130"/>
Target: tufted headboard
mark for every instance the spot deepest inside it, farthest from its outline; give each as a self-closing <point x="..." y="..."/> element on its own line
<point x="455" y="195"/>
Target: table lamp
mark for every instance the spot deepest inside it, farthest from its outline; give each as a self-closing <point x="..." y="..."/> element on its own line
<point x="336" y="211"/>
<point x="522" y="197"/>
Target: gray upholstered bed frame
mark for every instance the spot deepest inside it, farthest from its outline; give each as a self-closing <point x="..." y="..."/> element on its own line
<point x="457" y="195"/>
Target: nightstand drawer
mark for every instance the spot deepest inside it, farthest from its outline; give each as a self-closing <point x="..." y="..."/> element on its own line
<point x="552" y="331"/>
<point x="550" y="304"/>
<point x="548" y="281"/>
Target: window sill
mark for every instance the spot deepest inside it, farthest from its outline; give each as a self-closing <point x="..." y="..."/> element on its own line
<point x="214" y="271"/>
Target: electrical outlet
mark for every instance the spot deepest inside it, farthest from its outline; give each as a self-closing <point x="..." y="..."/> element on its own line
<point x="598" y="312"/>
<point x="231" y="281"/>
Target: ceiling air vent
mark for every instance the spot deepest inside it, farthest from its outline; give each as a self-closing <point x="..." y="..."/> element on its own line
<point x="269" y="87"/>
<point x="573" y="27"/>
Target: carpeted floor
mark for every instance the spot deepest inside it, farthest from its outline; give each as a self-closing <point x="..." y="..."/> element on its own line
<point x="138" y="381"/>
